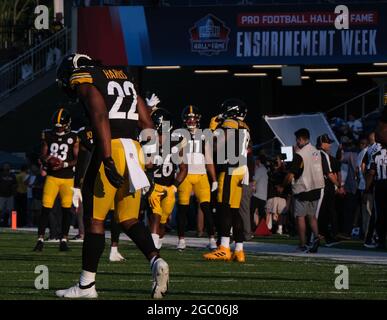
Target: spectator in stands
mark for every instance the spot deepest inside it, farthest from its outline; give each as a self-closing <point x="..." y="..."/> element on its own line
<point x="21" y="196"/>
<point x="259" y="197"/>
<point x="53" y="57"/>
<point x="7" y="192"/>
<point x="364" y="213"/>
<point x="37" y="195"/>
<point x="247" y="192"/>
<point x="347" y="155"/>
<point x="355" y="125"/>
<point x="26" y="71"/>
<point x="57" y="24"/>
<point x="30" y="182"/>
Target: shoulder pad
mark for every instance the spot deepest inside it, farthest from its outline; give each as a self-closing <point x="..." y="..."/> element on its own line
<point x="81" y="75"/>
<point x="230" y="124"/>
<point x="243" y="125"/>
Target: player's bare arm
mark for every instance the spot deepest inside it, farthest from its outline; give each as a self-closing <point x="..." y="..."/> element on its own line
<point x="98" y="115"/>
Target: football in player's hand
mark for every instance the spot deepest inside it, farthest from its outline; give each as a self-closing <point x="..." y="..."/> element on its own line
<point x="54" y="162"/>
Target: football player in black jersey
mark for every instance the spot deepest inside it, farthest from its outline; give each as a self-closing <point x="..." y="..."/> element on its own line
<point x="116" y="170"/>
<point x="165" y="177"/>
<point x="197" y="179"/>
<point x="59" y="154"/>
<point x="231" y="177"/>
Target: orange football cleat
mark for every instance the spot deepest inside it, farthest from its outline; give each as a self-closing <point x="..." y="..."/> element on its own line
<point x="222" y="253"/>
<point x="239" y="256"/>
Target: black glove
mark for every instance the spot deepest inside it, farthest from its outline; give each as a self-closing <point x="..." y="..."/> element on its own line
<point x="115" y="179"/>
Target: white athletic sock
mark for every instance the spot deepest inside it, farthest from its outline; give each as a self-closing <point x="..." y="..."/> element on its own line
<point x="239" y="246"/>
<point x="41" y="239"/>
<point x="86" y="278"/>
<point x="225" y="242"/>
<point x="113" y="249"/>
<point x="63" y="239"/>
<point x="156" y="238"/>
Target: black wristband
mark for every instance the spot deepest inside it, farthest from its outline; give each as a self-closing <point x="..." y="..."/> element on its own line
<point x="108" y="160"/>
<point x="176" y="183"/>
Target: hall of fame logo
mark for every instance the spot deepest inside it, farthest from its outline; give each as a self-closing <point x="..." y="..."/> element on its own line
<point x="209" y="36"/>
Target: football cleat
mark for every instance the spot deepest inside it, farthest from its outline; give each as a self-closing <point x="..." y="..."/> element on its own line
<point x="160" y="273"/>
<point x="76" y="292"/>
<point x="239" y="256"/>
<point x="39" y="246"/>
<point x="116" y="257"/>
<point x="181" y="245"/>
<point x="222" y="253"/>
<point x="63" y="246"/>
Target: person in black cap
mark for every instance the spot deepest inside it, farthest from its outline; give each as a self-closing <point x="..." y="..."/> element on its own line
<point x="327" y="214"/>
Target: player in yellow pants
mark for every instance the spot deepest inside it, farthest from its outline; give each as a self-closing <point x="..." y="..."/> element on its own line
<point x="59" y="155"/>
<point x="166" y="180"/>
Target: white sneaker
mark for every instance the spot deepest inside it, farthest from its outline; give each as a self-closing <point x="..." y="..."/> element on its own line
<point x="181" y="244"/>
<point x="115" y="256"/>
<point x="76" y="292"/>
<point x="160" y="273"/>
<point x="212" y="244"/>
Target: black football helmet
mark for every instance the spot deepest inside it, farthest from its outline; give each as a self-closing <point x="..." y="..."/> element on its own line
<point x="159" y="116"/>
<point x="68" y="65"/>
<point x="61" y="121"/>
<point x="191" y="117"/>
<point x="234" y="109"/>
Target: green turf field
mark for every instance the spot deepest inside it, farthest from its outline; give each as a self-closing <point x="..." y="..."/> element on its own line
<point x="261" y="277"/>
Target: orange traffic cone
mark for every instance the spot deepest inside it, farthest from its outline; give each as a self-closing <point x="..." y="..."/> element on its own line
<point x="14" y="220"/>
<point x="262" y="229"/>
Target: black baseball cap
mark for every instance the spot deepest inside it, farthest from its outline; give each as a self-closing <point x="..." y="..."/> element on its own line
<point x="302" y="133"/>
<point x="324" y="138"/>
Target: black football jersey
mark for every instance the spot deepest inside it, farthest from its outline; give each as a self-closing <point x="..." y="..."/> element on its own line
<point x="61" y="147"/>
<point x="119" y="94"/>
<point x="164" y="169"/>
<point x="86" y="137"/>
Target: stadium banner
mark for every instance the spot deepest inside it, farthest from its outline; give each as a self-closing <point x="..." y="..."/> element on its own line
<point x="284" y="127"/>
<point x="231" y="35"/>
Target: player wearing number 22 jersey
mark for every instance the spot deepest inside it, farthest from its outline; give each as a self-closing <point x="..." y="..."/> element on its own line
<point x="59" y="156"/>
<point x="115" y="174"/>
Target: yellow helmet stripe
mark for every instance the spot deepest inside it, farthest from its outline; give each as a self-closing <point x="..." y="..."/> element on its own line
<point x="59" y="115"/>
<point x="190" y="109"/>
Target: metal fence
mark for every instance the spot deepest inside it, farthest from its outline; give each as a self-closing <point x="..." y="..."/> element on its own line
<point x="34" y="62"/>
<point x="359" y="106"/>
